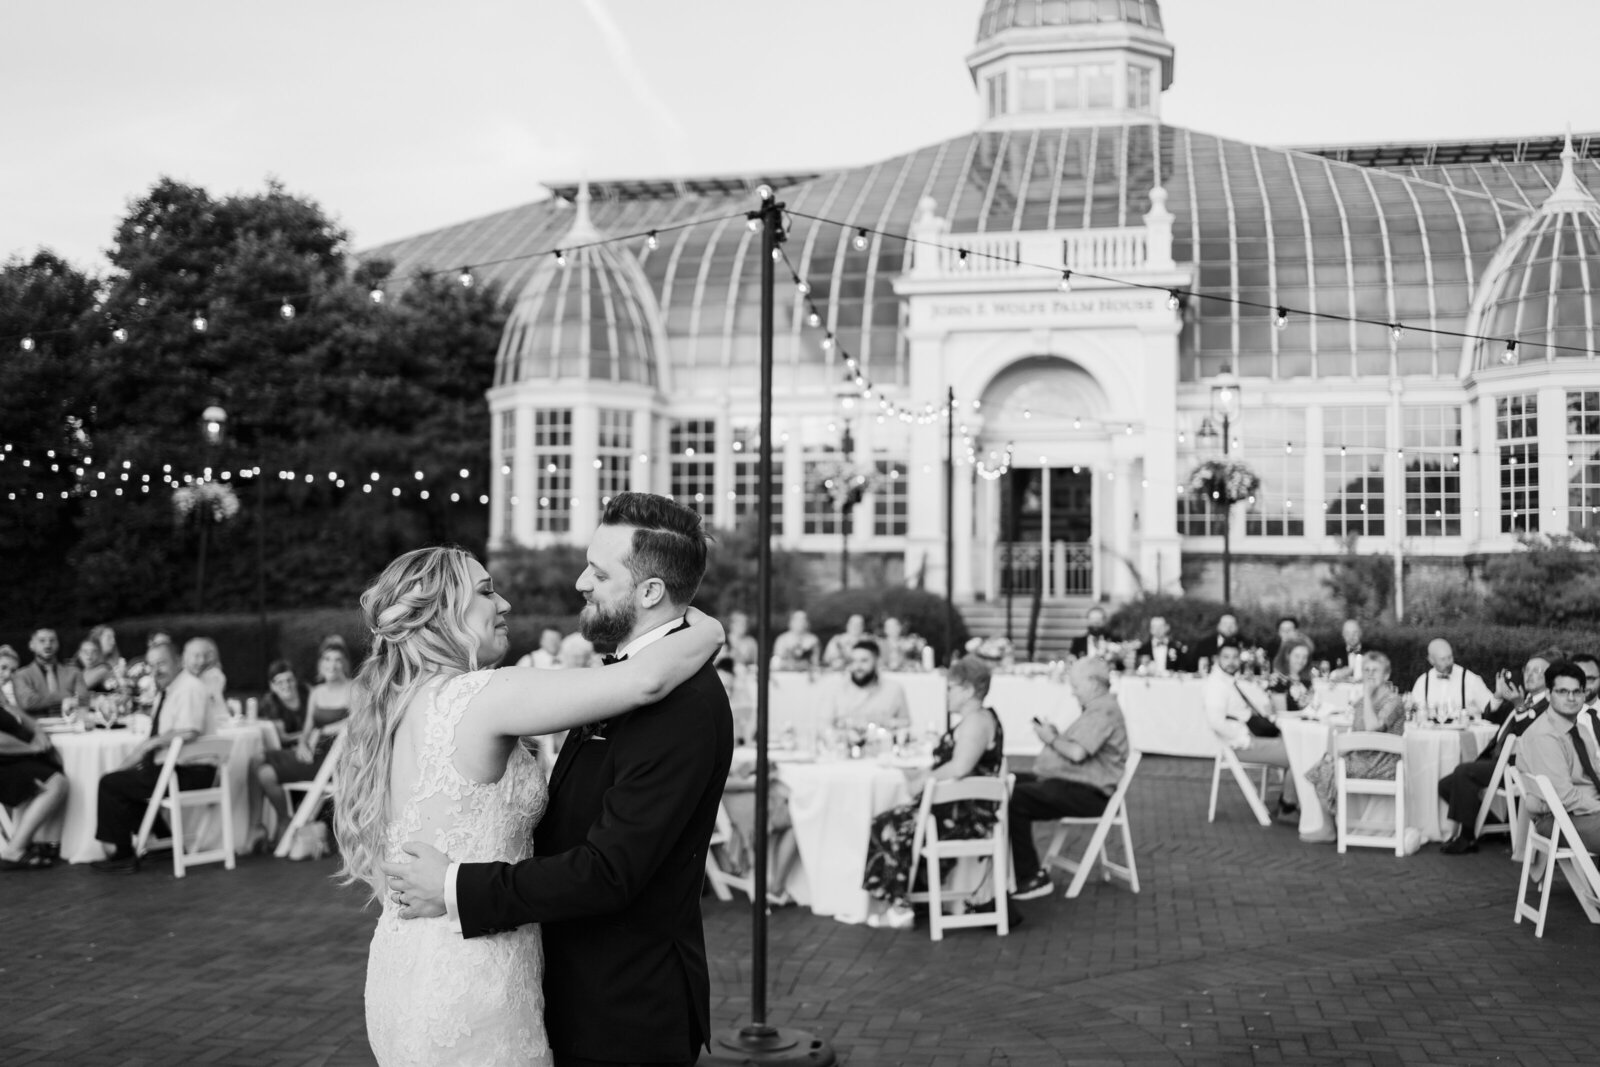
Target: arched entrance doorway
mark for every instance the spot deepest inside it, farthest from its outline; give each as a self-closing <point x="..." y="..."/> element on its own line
<point x="1042" y="515"/>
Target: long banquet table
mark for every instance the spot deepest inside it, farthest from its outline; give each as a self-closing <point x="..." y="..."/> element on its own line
<point x="1165" y="715"/>
<point x="85" y="757"/>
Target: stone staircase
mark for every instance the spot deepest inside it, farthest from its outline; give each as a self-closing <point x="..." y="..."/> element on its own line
<point x="1059" y="622"/>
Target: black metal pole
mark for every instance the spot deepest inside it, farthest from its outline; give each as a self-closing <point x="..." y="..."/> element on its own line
<point x="261" y="566"/>
<point x="950" y="526"/>
<point x="1227" y="526"/>
<point x="758" y="1042"/>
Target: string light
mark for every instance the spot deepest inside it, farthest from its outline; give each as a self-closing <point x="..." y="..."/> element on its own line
<point x="1281" y="318"/>
<point x="465" y="277"/>
<point x="860" y="240"/>
<point x="27" y="343"/>
<point x="1174" y="301"/>
<point x="813" y="320"/>
<point x="1065" y="285"/>
<point x="1396" y="331"/>
<point x="753" y="223"/>
<point x="199" y="323"/>
<point x="376" y="296"/>
<point x="1509" y="356"/>
<point x="286" y="311"/>
<point x="651" y="241"/>
<point x="119" y="335"/>
<point x="561" y="258"/>
<point x="803" y="288"/>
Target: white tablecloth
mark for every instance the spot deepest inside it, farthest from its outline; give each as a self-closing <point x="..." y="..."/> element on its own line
<point x="832" y="805"/>
<point x="87" y="756"/>
<point x="1165" y="716"/>
<point x="1431" y="753"/>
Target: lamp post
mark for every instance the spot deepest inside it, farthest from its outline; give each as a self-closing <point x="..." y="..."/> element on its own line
<point x="213" y="425"/>
<point x="1225" y="401"/>
<point x="848" y="498"/>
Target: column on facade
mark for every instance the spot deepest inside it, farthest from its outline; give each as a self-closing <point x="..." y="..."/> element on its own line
<point x="1472" y="465"/>
<point x="526" y="478"/>
<point x="926" y="520"/>
<point x="1315" y="473"/>
<point x="1489" y="474"/>
<point x="1394" y="466"/>
<point x="794" y="479"/>
<point x="585" y="478"/>
<point x="722" y="475"/>
<point x="1160" y="557"/>
<point x="1121" y="478"/>
<point x="1553" y="471"/>
<point x="639" y="473"/>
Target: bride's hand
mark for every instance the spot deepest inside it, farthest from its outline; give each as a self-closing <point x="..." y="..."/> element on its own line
<point x="700" y="622"/>
<point x="417" y="885"/>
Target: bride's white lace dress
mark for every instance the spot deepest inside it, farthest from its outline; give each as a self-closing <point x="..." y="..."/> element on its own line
<point x="434" y="998"/>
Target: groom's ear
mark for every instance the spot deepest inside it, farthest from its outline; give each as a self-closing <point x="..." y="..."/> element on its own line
<point x="652" y="592"/>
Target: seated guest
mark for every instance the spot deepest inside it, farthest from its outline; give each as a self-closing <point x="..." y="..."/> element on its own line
<point x="741" y="643"/>
<point x="327" y="707"/>
<point x="184" y="709"/>
<point x="576" y="652"/>
<point x="797" y="648"/>
<point x="1165" y="652"/>
<point x="1096" y="641"/>
<point x="1232" y="705"/>
<point x="868" y="698"/>
<point x="42" y="685"/>
<point x="201" y="659"/>
<point x="1291" y="683"/>
<point x="837" y="655"/>
<point x="1288" y="626"/>
<point x="739" y="800"/>
<point x="1449" y="690"/>
<point x="547" y="657"/>
<point x="1380" y="711"/>
<point x="158" y="638"/>
<point x="1554" y="747"/>
<point x="1227" y="630"/>
<point x="97" y="675"/>
<point x="30" y="773"/>
<point x="1074" y="776"/>
<point x="1591" y="673"/>
<point x="106" y="638"/>
<point x="1346" y="667"/>
<point x="285" y="703"/>
<point x="1513" y="710"/>
<point x="901" y="651"/>
<point x="973" y="746"/>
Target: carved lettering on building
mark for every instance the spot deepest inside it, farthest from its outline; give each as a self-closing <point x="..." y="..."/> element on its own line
<point x="1041" y="307"/>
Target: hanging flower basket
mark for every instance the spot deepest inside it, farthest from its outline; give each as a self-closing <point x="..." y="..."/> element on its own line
<point x="843" y="483"/>
<point x="213" y="501"/>
<point x="1224" y="481"/>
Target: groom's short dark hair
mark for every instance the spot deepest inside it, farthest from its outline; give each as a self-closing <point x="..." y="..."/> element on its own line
<point x="669" y="541"/>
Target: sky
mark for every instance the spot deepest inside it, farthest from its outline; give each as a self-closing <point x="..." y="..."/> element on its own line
<point x="404" y="116"/>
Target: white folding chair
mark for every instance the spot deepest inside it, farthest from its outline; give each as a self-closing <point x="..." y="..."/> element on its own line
<point x="722" y="879"/>
<point x="928" y="847"/>
<point x="312" y="794"/>
<point x="7" y="827"/>
<point x="170" y="798"/>
<point x="1497" y="792"/>
<point x="1254" y="792"/>
<point x="1115" y="816"/>
<point x="1543" y="854"/>
<point x="1370" y="741"/>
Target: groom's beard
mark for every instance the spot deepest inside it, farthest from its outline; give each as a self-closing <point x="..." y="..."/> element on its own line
<point x="608" y="627"/>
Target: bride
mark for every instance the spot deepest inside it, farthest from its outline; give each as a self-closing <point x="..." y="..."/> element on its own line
<point x="433" y="756"/>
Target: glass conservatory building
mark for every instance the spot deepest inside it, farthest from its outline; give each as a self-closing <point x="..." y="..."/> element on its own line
<point x="634" y="364"/>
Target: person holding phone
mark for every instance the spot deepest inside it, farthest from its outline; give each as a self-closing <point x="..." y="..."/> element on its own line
<point x="1513" y="710"/>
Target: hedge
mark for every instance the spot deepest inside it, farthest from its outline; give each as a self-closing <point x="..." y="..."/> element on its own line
<point x="923" y="614"/>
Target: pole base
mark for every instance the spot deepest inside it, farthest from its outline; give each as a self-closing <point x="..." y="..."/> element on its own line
<point x="758" y="1046"/>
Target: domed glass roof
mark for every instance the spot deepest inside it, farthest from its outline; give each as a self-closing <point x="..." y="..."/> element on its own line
<point x="1001" y="15"/>
<point x="592" y="317"/>
<point x="1542" y="290"/>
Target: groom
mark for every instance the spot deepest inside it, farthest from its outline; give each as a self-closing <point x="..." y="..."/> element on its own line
<point x="621" y="851"/>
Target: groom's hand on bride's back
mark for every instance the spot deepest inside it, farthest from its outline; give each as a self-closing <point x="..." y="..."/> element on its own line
<point x="417" y="884"/>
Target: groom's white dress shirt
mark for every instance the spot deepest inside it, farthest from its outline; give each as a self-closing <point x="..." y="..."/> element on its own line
<point x="633" y="647"/>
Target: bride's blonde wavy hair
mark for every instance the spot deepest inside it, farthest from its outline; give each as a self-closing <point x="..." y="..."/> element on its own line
<point x="416" y="612"/>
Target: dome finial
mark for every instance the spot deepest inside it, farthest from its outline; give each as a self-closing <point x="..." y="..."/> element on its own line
<point x="583" y="229"/>
<point x="1569" y="191"/>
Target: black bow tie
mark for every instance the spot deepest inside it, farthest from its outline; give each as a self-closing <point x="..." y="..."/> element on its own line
<point x="608" y="659"/>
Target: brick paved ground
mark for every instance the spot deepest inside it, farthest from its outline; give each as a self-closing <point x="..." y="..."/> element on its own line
<point x="1245" y="947"/>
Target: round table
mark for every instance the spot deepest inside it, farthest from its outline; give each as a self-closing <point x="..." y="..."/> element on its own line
<point x="87" y="756"/>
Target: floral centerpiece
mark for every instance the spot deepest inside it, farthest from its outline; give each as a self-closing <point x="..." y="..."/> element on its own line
<point x="213" y="501"/>
<point x="1224" y="480"/>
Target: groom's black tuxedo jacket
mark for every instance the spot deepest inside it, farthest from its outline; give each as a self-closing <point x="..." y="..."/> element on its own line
<point x="617" y="878"/>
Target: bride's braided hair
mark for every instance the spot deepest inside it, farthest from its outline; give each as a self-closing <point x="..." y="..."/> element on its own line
<point x="415" y="611"/>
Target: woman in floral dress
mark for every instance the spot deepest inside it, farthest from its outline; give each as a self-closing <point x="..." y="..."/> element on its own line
<point x="975" y="745"/>
<point x="1381" y="711"/>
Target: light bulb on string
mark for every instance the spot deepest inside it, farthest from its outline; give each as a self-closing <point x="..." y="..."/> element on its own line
<point x="465" y="277"/>
<point x="376" y="296"/>
<point x="1396" y="331"/>
<point x="764" y="191"/>
<point x="1065" y="285"/>
<point x="827" y="344"/>
<point x="561" y="258"/>
<point x="961" y="257"/>
<point x="1509" y="356"/>
<point x="27" y="343"/>
<point x="803" y="288"/>
<point x="813" y="320"/>
<point x="1281" y="318"/>
<point x="199" y="323"/>
<point x="859" y="242"/>
<point x="651" y="241"/>
<point x="1174" y="301"/>
<point x="777" y="255"/>
<point x="286" y="311"/>
<point x="753" y="223"/>
<point x="119" y="335"/>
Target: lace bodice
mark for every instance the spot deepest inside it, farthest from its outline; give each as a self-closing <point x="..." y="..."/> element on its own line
<point x="432" y="997"/>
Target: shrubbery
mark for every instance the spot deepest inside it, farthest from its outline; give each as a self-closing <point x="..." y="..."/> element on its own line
<point x="923" y="614"/>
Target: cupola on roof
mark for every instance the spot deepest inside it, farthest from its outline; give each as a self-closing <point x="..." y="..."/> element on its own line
<point x="1001" y="15"/>
<point x="589" y="315"/>
<point x="1542" y="289"/>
